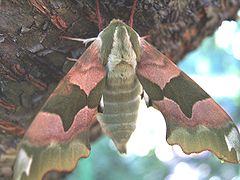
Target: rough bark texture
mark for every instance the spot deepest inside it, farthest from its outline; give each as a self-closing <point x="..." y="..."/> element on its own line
<point x="33" y="56"/>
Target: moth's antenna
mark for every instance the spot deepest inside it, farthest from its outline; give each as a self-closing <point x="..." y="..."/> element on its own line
<point x="132" y="13"/>
<point x="99" y="16"/>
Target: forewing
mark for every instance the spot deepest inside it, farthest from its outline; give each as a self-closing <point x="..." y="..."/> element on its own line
<point x="194" y="120"/>
<point x="58" y="135"/>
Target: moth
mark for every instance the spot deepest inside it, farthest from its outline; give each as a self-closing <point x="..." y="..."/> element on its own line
<point x="118" y="67"/>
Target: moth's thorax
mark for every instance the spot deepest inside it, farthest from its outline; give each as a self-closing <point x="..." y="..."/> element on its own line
<point x="122" y="58"/>
<point x="120" y="49"/>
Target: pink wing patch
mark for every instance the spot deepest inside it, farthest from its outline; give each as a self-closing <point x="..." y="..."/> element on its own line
<point x="153" y="61"/>
<point x="41" y="133"/>
<point x="205" y="112"/>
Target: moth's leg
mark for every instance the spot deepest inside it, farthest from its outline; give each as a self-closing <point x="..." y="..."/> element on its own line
<point x="146" y="37"/>
<point x="101" y="106"/>
<point x="147" y="99"/>
<point x="71" y="59"/>
<point x="84" y="41"/>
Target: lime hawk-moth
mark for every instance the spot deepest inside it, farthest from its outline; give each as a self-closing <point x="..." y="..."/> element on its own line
<point x="117" y="67"/>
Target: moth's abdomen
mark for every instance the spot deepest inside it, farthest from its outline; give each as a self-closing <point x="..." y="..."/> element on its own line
<point x="121" y="98"/>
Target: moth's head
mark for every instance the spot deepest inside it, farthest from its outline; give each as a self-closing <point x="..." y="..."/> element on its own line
<point x="121" y="31"/>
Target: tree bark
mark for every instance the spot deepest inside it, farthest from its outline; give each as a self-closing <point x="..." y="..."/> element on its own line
<point x="33" y="56"/>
